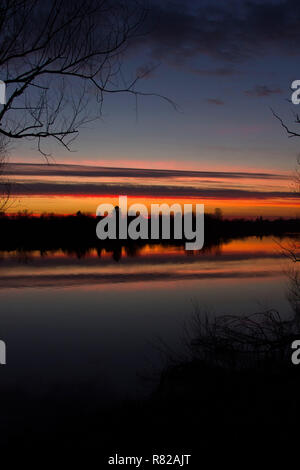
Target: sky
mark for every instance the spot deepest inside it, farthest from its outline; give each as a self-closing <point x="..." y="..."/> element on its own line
<point x="66" y="189"/>
<point x="226" y="65"/>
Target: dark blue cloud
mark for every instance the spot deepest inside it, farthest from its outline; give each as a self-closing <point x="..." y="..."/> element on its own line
<point x="216" y="101"/>
<point x="94" y="189"/>
<point x="231" y="31"/>
<point x="31" y="169"/>
<point x="262" y="90"/>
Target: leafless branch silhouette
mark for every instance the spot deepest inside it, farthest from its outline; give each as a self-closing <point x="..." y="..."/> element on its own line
<point x="58" y="56"/>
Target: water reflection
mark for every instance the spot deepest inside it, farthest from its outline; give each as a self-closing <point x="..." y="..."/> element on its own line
<point x="67" y="319"/>
<point x="236" y="259"/>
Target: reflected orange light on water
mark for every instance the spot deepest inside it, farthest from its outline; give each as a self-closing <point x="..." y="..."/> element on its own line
<point x="236" y="260"/>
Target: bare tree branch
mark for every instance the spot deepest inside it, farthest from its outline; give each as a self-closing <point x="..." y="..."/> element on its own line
<point x="289" y="132"/>
<point x="56" y="56"/>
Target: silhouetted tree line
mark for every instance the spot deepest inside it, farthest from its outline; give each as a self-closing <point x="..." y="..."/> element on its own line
<point x="77" y="233"/>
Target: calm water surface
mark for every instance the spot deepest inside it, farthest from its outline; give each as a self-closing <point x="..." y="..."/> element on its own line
<point x="69" y="322"/>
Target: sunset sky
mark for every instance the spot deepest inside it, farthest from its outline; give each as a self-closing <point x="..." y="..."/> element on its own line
<point x="65" y="189"/>
<point x="225" y="68"/>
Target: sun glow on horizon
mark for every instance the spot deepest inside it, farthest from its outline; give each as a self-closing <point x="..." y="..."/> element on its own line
<point x="67" y="189"/>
